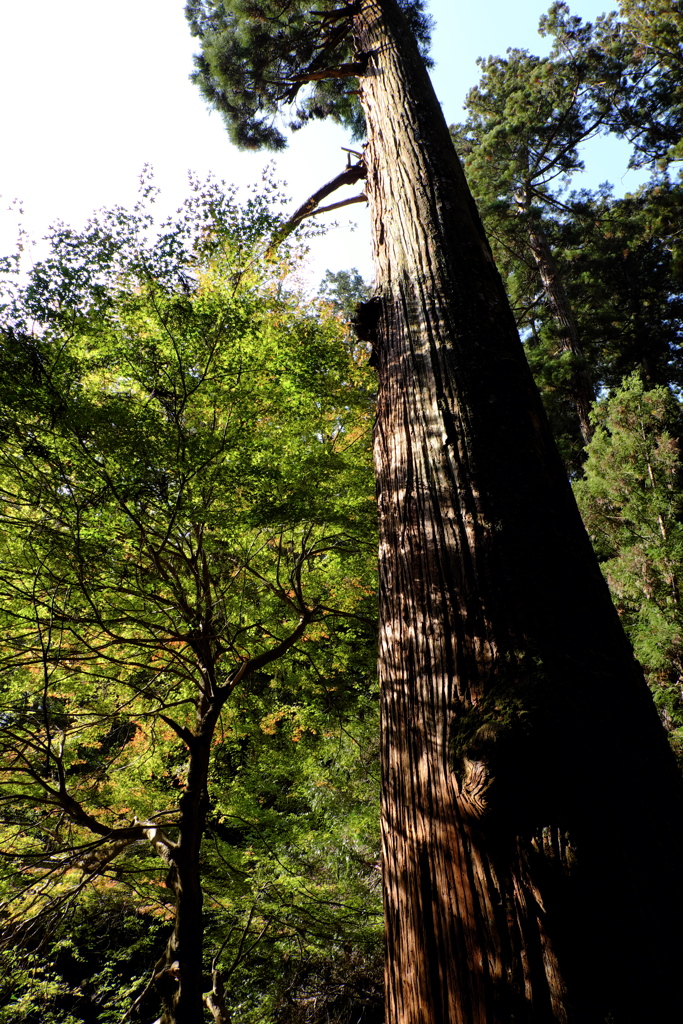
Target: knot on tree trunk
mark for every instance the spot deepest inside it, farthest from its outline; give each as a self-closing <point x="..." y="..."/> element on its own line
<point x="166" y="981"/>
<point x="475" y="764"/>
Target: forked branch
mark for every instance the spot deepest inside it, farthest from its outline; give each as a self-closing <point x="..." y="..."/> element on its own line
<point x="349" y="176"/>
<point x="362" y="198"/>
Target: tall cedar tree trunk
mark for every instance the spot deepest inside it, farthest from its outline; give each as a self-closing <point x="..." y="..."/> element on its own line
<point x="531" y="806"/>
<point x="582" y="392"/>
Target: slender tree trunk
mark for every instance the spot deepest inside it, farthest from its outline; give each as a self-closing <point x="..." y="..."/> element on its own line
<point x="531" y="807"/>
<point x="583" y="393"/>
<point x="180" y="981"/>
<point x="215" y="999"/>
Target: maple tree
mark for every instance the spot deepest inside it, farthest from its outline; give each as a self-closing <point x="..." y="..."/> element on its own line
<point x="170" y="404"/>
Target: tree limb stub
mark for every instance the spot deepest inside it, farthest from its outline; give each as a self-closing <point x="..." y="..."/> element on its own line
<point x="349" y="176"/>
<point x="352" y="70"/>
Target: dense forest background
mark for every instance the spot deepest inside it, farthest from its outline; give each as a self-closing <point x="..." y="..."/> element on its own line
<point x="187" y="577"/>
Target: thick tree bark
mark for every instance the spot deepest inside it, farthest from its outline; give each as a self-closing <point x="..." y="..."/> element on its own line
<point x="531" y="806"/>
<point x="583" y="393"/>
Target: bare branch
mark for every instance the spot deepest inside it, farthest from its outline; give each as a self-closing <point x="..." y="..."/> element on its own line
<point x="180" y="730"/>
<point x="349" y="176"/>
<point x="362" y="198"/>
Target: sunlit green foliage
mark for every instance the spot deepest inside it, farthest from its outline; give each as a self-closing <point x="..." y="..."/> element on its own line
<point x="186" y="493"/>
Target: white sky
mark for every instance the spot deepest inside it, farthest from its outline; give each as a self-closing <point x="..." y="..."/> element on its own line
<point x="92" y="91"/>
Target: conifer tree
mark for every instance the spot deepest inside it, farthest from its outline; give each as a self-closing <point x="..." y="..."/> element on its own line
<point x="623" y="262"/>
<point x="630" y="498"/>
<point x="526" y="119"/>
<point x="636" y="57"/>
<point x="527" y="779"/>
<point x="594" y="280"/>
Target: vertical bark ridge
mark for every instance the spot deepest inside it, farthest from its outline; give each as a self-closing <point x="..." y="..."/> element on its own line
<point x="511" y="705"/>
<point x="448" y="855"/>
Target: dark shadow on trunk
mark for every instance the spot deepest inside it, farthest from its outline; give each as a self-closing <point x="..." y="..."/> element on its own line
<point x="531" y="805"/>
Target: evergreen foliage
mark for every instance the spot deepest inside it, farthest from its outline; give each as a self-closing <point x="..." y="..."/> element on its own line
<point x="623" y="265"/>
<point x="256" y="57"/>
<point x="616" y="262"/>
<point x="631" y="498"/>
<point x="527" y="118"/>
<point x="344" y="289"/>
<point x="526" y="121"/>
<point x="636" y="60"/>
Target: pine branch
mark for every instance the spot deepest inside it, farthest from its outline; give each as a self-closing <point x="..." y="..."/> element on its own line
<point x="315" y="71"/>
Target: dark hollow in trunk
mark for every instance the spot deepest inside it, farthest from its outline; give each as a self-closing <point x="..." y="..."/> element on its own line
<point x="531" y="806"/>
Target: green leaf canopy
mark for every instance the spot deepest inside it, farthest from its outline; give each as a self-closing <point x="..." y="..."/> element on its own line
<point x="187" y="510"/>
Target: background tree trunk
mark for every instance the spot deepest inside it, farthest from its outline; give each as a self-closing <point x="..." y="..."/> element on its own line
<point x="531" y="806"/>
<point x="582" y="392"/>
